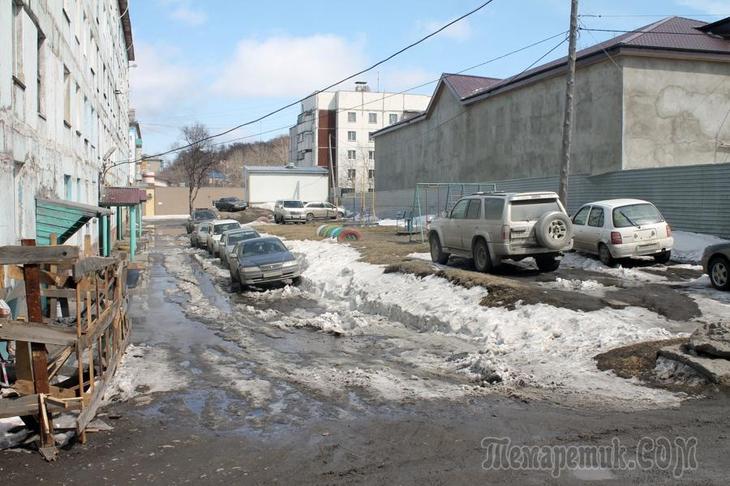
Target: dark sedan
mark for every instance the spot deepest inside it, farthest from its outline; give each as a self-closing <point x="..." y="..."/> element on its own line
<point x="199" y="215"/>
<point x="230" y="204"/>
<point x="716" y="262"/>
<point x="263" y="261"/>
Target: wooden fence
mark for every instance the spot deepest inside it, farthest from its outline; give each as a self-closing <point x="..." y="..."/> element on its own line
<point x="72" y="337"/>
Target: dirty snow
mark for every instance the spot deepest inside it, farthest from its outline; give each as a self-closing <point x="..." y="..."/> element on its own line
<point x="688" y="247"/>
<point x="626" y="274"/>
<point x="419" y="256"/>
<point x="540" y="345"/>
<point x="143" y="370"/>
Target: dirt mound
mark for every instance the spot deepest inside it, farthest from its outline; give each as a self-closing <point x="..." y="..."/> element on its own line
<point x="250" y="215"/>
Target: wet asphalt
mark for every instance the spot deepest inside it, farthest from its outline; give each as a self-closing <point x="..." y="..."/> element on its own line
<point x="254" y="408"/>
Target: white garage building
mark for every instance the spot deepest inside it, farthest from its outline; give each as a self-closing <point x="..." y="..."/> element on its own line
<point x="265" y="184"/>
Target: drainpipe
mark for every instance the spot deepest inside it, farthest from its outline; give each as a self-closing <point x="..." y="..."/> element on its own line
<point x="132" y="232"/>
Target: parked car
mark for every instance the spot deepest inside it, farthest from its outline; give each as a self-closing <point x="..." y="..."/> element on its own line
<point x="216" y="228"/>
<point x="230" y="204"/>
<point x="622" y="228"/>
<point x="289" y="211"/>
<point x="491" y="227"/>
<point x="320" y="210"/>
<point x="231" y="238"/>
<point x="716" y="262"/>
<point x="198" y="216"/>
<point x="263" y="260"/>
<point x="199" y="235"/>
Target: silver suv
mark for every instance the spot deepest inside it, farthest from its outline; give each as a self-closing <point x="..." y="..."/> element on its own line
<point x="491" y="227"/>
<point x="289" y="210"/>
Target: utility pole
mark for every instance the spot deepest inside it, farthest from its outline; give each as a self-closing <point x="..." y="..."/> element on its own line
<point x="569" y="102"/>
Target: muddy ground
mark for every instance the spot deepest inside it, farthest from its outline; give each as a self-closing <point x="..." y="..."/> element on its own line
<point x="230" y="389"/>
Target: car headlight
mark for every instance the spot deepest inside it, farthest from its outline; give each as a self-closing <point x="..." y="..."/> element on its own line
<point x="289" y="264"/>
<point x="251" y="270"/>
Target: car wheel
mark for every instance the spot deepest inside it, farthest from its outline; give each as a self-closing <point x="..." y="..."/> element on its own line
<point x="604" y="254"/>
<point x="340" y="215"/>
<point x="437" y="252"/>
<point x="663" y="257"/>
<point x="547" y="263"/>
<point x="719" y="270"/>
<point x="310" y="217"/>
<point x="480" y="253"/>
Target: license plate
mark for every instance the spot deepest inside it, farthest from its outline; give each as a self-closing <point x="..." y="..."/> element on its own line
<point x="272" y="274"/>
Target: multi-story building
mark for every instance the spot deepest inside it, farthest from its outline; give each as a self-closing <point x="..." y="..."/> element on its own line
<point x="63" y="106"/>
<point x="135" y="149"/>
<point x="334" y="131"/>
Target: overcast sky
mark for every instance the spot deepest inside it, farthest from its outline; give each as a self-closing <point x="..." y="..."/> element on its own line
<point x="221" y="62"/>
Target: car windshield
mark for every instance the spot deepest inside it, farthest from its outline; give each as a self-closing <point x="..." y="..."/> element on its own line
<point x="532" y="209"/>
<point x="636" y="215"/>
<point x="263" y="247"/>
<point x="222" y="228"/>
<point x="292" y="204"/>
<point x="204" y="215"/>
<point x="236" y="237"/>
<point x="203" y="228"/>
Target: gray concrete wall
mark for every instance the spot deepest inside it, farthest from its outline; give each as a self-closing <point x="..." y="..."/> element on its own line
<point x="676" y="112"/>
<point x="516" y="134"/>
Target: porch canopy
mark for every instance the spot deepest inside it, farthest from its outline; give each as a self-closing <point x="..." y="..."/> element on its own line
<point x="122" y="196"/>
<point x="64" y="218"/>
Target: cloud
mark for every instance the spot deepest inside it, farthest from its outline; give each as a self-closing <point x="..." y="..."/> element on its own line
<point x="288" y="66"/>
<point x="460" y="31"/>
<point x="395" y="80"/>
<point x="159" y="84"/>
<point x="184" y="12"/>
<point x="715" y="7"/>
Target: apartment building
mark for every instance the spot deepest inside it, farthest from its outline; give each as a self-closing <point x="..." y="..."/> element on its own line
<point x="334" y="131"/>
<point x="63" y="106"/>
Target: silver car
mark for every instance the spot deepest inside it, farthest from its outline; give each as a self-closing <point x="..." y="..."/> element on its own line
<point x="286" y="211"/>
<point x="216" y="229"/>
<point x="231" y="238"/>
<point x="322" y="210"/>
<point x="716" y="262"/>
<point x="491" y="227"/>
<point x="262" y="261"/>
<point x="199" y="235"/>
<point x="622" y="228"/>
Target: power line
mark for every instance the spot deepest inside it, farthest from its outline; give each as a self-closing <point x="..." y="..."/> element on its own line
<point x="619" y="31"/>
<point x="628" y="16"/>
<point x="369" y="68"/>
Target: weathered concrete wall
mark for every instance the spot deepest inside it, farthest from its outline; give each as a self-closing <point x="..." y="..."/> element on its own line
<point x="516" y="134"/>
<point x="41" y="147"/>
<point x="676" y="112"/>
<point x="174" y="200"/>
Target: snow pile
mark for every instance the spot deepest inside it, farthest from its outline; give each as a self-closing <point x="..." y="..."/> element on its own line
<point x="688" y="247"/>
<point x="625" y="274"/>
<point x="419" y="256"/>
<point x="12" y="432"/>
<point x="143" y="370"/>
<point x="389" y="222"/>
<point x="539" y="345"/>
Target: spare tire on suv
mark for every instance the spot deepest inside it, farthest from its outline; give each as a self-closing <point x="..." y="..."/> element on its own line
<point x="554" y="230"/>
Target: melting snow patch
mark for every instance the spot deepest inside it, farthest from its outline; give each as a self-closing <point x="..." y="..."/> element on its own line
<point x="540" y="345"/>
<point x="143" y="370"/>
<point x="688" y="247"/>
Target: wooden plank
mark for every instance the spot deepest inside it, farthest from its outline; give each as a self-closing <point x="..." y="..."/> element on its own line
<point x="25" y="387"/>
<point x="101" y="325"/>
<point x="89" y="265"/>
<point x="59" y="293"/>
<point x="34" y="332"/>
<point x="22" y="255"/>
<point x="28" y="405"/>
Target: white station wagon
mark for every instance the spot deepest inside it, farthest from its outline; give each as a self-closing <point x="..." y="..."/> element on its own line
<point x="622" y="228"/>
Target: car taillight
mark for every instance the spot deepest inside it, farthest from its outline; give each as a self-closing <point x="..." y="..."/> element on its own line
<point x="616" y="238"/>
<point x="505" y="232"/>
<point x="669" y="231"/>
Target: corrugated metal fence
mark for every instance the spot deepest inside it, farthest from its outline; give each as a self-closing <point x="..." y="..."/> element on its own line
<point x="692" y="198"/>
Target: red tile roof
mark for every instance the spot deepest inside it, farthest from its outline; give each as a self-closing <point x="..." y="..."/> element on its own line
<point x="122" y="196"/>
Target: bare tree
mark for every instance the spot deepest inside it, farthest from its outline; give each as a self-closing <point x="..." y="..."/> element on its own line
<point x="196" y="162"/>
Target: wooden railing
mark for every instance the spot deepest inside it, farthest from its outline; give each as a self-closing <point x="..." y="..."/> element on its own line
<point x="71" y="337"/>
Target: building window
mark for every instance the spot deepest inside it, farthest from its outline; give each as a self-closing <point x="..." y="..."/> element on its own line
<point x="67" y="187"/>
<point x="352" y="136"/>
<point x="66" y="96"/>
<point x="18" y="42"/>
<point x="351" y="173"/>
<point x="351" y="116"/>
<point x="393" y="117"/>
<point x="371" y="174"/>
<point x="346" y="190"/>
<point x="371" y="155"/>
<point x="41" y="70"/>
<point x="351" y="155"/>
<point x="372" y="118"/>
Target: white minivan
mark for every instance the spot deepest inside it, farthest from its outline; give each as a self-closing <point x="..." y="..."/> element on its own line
<point x="622" y="228"/>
